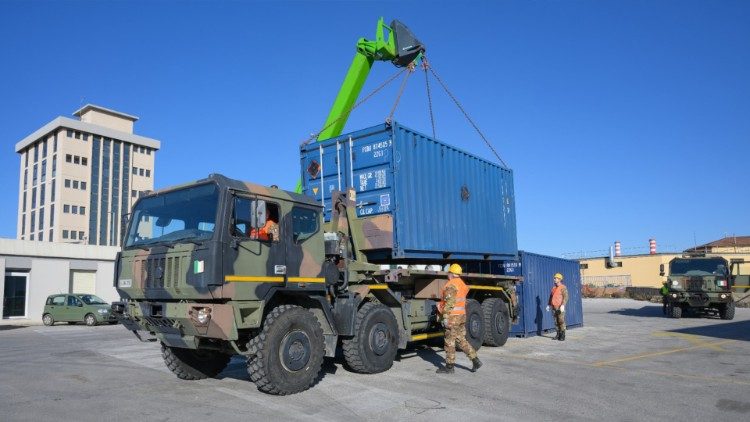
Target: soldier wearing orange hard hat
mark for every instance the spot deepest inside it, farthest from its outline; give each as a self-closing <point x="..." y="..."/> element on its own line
<point x="558" y="298"/>
<point x="452" y="310"/>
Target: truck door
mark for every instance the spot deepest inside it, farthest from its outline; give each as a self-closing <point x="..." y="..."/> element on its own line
<point x="256" y="251"/>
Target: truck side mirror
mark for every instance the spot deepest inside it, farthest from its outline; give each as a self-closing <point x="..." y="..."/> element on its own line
<point x="661" y="270"/>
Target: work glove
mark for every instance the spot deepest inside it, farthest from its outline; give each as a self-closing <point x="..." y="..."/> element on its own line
<point x="547" y="308"/>
<point x="562" y="308"/>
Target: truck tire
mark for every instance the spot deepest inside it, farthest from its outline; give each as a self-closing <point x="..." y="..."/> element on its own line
<point x="188" y="364"/>
<point x="496" y="322"/>
<point x="675" y="311"/>
<point x="726" y="311"/>
<point x="474" y="323"/>
<point x="287" y="355"/>
<point x="375" y="343"/>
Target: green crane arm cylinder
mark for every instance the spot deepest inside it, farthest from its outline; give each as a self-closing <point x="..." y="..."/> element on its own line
<point x="401" y="48"/>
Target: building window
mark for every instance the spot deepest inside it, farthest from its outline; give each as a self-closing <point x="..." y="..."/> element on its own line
<point x="51" y="217"/>
<point x="140" y="172"/>
<point x="68" y="158"/>
<point x="31" y="237"/>
<point x="80" y="235"/>
<point x="54" y="149"/>
<point x="584" y="266"/>
<point x="54" y="165"/>
<point x="73" y="234"/>
<point x="66" y="208"/>
<point x="41" y="236"/>
<point x="69" y="133"/>
<point x="84" y="161"/>
<point x="148" y="173"/>
<point x="82" y="210"/>
<point x="133" y="194"/>
<point x="148" y="151"/>
<point x="44" y="171"/>
<point x="85" y="137"/>
<point x="33" y="221"/>
<point x="44" y="148"/>
<point x="25" y="178"/>
<point x="33" y="176"/>
<point x="67" y="183"/>
<point x="23" y="209"/>
<point x="52" y="195"/>
<point x="41" y="221"/>
<point x="50" y="235"/>
<point x="76" y="159"/>
<point x="26" y="158"/>
<point x="41" y="195"/>
<point x="135" y="170"/>
<point x="23" y="224"/>
<point x="75" y="184"/>
<point x="33" y="198"/>
<point x="36" y="153"/>
<point x="65" y="234"/>
<point x="74" y="209"/>
<point x="83" y="185"/>
<point x="78" y="135"/>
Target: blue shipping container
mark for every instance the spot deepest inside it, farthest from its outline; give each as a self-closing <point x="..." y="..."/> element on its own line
<point x="533" y="292"/>
<point x="439" y="202"/>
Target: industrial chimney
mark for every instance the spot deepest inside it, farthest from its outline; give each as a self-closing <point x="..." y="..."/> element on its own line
<point x="618" y="250"/>
<point x="652" y="246"/>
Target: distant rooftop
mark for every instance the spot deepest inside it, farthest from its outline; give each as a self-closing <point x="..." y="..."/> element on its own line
<point x="727" y="242"/>
<point x="87" y="107"/>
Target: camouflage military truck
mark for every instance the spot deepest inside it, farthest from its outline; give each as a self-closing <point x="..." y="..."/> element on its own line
<point x="198" y="274"/>
<point x="699" y="284"/>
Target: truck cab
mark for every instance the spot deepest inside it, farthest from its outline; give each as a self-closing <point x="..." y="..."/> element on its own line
<point x="700" y="284"/>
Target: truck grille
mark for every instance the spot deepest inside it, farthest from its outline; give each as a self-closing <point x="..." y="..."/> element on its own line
<point x="162" y="273"/>
<point x="159" y="322"/>
<point x="694" y="285"/>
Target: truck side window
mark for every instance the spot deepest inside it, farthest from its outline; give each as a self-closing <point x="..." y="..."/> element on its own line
<point x="304" y="224"/>
<point x="256" y="219"/>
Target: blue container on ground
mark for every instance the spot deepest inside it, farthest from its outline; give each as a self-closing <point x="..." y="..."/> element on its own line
<point x="433" y="201"/>
<point x="533" y="292"/>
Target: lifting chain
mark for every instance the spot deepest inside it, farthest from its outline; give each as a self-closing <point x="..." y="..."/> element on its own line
<point x="359" y="103"/>
<point x="425" y="66"/>
<point x="410" y="68"/>
<point x="447" y="91"/>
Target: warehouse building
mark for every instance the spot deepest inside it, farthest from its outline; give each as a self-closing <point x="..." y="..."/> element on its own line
<point x="78" y="177"/>
<point x="34" y="270"/>
<point x="618" y="270"/>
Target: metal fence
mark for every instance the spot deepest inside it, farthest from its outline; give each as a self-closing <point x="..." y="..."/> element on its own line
<point x="606" y="281"/>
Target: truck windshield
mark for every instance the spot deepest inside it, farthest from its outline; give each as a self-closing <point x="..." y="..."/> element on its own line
<point x="698" y="267"/>
<point x="185" y="214"/>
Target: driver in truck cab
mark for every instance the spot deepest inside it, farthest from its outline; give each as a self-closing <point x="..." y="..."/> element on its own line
<point x="270" y="230"/>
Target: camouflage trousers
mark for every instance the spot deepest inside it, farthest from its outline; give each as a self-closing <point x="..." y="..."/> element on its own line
<point x="456" y="333"/>
<point x="559" y="320"/>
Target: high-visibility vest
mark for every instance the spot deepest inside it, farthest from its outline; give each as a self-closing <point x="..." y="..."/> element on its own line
<point x="462" y="289"/>
<point x="556" y="297"/>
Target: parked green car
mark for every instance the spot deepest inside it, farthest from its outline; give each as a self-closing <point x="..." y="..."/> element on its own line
<point x="72" y="308"/>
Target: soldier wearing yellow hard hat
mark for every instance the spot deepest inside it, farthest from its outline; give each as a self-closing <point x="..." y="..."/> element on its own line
<point x="452" y="308"/>
<point x="558" y="298"/>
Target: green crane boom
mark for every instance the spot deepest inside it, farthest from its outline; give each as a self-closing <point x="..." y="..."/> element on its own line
<point x="400" y="48"/>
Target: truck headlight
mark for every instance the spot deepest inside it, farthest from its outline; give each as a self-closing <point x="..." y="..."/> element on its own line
<point x="675" y="283"/>
<point x="102" y="311"/>
<point x="674" y="295"/>
<point x="204" y="315"/>
<point x="723" y="296"/>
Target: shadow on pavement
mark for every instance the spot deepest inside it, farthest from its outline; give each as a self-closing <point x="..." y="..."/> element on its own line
<point x="11" y="327"/>
<point x="645" y="311"/>
<point x="737" y="330"/>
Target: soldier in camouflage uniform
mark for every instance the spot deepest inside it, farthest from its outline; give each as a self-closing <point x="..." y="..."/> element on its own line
<point x="452" y="310"/>
<point x="558" y="298"/>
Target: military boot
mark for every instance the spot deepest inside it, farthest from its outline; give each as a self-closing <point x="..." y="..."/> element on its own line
<point x="557" y="335"/>
<point x="562" y="336"/>
<point x="447" y="369"/>
<point x="475" y="364"/>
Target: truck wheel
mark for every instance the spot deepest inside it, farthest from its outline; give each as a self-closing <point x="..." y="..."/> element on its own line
<point x="47" y="319"/>
<point x="90" y="320"/>
<point x="191" y="365"/>
<point x="375" y="342"/>
<point x="726" y="311"/>
<point x="676" y="312"/>
<point x="474" y="323"/>
<point x="496" y="322"/>
<point x="287" y="355"/>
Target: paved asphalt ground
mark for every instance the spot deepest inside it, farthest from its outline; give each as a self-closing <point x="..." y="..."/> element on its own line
<point x="628" y="363"/>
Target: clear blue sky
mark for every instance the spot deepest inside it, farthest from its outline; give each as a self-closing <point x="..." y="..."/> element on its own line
<point x="622" y="120"/>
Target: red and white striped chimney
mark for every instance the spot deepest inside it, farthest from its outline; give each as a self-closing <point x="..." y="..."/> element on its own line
<point x="618" y="250"/>
<point x="652" y="246"/>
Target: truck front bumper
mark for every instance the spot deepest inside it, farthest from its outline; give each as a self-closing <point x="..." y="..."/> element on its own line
<point x="699" y="299"/>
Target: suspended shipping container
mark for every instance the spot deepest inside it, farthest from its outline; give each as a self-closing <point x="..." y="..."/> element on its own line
<point x="424" y="199"/>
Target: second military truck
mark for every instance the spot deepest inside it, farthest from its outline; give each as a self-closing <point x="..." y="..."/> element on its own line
<point x="699" y="284"/>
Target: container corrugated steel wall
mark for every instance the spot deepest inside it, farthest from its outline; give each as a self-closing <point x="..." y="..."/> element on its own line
<point x="442" y="199"/>
<point x="533" y="292"/>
